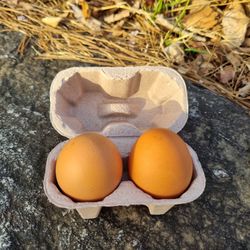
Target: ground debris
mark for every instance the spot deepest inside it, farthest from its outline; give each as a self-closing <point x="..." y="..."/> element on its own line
<point x="117" y="17"/>
<point x="175" y="53"/>
<point x="204" y="18"/>
<point x="52" y="21"/>
<point x="226" y="74"/>
<point x="207" y="41"/>
<point x="234" y="25"/>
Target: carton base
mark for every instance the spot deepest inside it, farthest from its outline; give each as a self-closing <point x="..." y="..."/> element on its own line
<point x="89" y="212"/>
<point x="93" y="212"/>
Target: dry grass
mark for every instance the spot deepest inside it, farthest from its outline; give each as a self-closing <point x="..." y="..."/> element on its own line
<point x="143" y="38"/>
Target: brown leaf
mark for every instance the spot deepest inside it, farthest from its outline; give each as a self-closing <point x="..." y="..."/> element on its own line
<point x="166" y="23"/>
<point x="148" y="3"/>
<point x="197" y="5"/>
<point x="205" y="18"/>
<point x="118" y="33"/>
<point x="183" y="69"/>
<point x="91" y="23"/>
<point x="119" y="24"/>
<point x="201" y="64"/>
<point x="22" y="18"/>
<point x="13" y="3"/>
<point x="77" y="12"/>
<point x="248" y="63"/>
<point x="85" y="8"/>
<point x="175" y="53"/>
<point x="117" y="30"/>
<point x="64" y="14"/>
<point x="206" y="67"/>
<point x="95" y="12"/>
<point x="117" y="17"/>
<point x="26" y="6"/>
<point x="227" y="74"/>
<point x="234" y="59"/>
<point x="234" y="25"/>
<point x="137" y="4"/>
<point x="245" y="90"/>
<point x="194" y="65"/>
<point x="248" y="32"/>
<point x="52" y="21"/>
<point x="247" y="42"/>
<point x="247" y="8"/>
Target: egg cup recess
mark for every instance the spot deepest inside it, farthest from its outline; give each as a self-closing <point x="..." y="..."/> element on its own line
<point x="119" y="103"/>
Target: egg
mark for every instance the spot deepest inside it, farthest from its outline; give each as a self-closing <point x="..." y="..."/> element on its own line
<point x="160" y="164"/>
<point x="89" y="167"/>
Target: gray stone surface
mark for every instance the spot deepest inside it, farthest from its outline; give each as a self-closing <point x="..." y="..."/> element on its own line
<point x="217" y="129"/>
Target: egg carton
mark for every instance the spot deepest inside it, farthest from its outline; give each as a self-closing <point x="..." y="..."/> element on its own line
<point x="119" y="103"/>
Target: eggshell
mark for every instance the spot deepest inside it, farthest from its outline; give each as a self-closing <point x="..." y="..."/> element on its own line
<point x="160" y="163"/>
<point x="89" y="167"/>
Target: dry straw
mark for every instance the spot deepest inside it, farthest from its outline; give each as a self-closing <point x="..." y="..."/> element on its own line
<point x="187" y="35"/>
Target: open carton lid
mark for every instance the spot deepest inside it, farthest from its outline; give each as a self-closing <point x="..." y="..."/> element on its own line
<point x="117" y="101"/>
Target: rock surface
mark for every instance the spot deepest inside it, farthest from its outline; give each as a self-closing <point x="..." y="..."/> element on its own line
<point x="217" y="129"/>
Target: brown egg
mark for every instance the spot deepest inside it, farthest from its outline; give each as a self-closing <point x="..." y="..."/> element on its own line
<point x="89" y="167"/>
<point x="160" y="164"/>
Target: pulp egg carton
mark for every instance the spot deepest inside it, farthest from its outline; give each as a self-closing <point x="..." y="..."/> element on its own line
<point x="119" y="103"/>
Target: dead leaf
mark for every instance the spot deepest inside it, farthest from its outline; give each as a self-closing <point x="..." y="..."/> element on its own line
<point x="234" y="25"/>
<point x="161" y="20"/>
<point x="201" y="65"/>
<point x="137" y="4"/>
<point x="119" y="1"/>
<point x="26" y="6"/>
<point x="95" y="12"/>
<point x="248" y="32"/>
<point x="148" y="3"/>
<point x="117" y="29"/>
<point x="206" y="67"/>
<point x="248" y="64"/>
<point x="77" y="12"/>
<point x="183" y="69"/>
<point x="119" y="33"/>
<point x="226" y="74"/>
<point x="134" y="32"/>
<point x="204" y="18"/>
<point x="234" y="59"/>
<point x="117" y="17"/>
<point x="196" y="63"/>
<point x="119" y="24"/>
<point x="85" y="8"/>
<point x="245" y="90"/>
<point x="52" y="21"/>
<point x="197" y="5"/>
<point x="22" y="18"/>
<point x="247" y="42"/>
<point x="91" y="23"/>
<point x="175" y="53"/>
<point x="13" y="3"/>
<point x="247" y="8"/>
<point x="64" y="14"/>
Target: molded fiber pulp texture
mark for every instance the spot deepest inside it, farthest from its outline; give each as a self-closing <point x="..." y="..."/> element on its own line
<point x="119" y="103"/>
